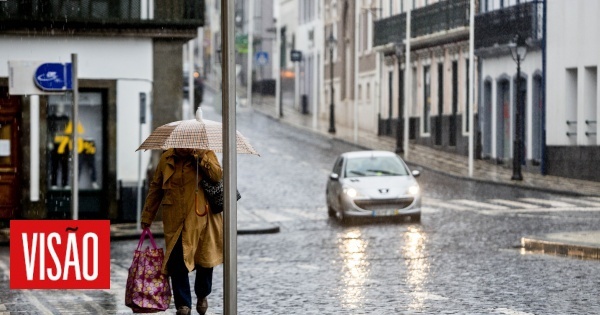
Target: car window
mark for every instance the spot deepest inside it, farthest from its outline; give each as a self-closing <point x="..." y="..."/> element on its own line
<point x="375" y="166"/>
<point x="337" y="167"/>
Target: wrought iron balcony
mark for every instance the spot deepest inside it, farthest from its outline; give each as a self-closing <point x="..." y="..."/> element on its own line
<point x="431" y="19"/>
<point x="440" y="16"/>
<point x="499" y="27"/>
<point x="389" y="30"/>
<point x="15" y="14"/>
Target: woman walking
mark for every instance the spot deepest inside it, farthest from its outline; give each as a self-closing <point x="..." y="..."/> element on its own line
<point x="193" y="234"/>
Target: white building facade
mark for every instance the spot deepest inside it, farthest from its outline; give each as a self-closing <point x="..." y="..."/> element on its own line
<point x="573" y="106"/>
<point x="496" y="46"/>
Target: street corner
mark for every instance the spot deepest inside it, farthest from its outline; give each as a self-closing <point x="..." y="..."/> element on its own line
<point x="582" y="245"/>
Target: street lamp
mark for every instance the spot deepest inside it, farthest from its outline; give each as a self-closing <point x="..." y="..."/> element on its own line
<point x="332" y="42"/>
<point x="399" y="137"/>
<point x="518" y="50"/>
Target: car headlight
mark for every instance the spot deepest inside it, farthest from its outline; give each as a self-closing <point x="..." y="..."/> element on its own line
<point x="351" y="192"/>
<point x="414" y="190"/>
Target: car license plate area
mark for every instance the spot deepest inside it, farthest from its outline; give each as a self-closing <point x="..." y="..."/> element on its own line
<point x="385" y="213"/>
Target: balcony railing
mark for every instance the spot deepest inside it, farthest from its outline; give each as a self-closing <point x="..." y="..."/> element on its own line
<point x="390" y="30"/>
<point x="499" y="27"/>
<point x="15" y="13"/>
<point x="438" y="17"/>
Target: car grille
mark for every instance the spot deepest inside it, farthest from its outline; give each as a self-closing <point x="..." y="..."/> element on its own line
<point x="384" y="204"/>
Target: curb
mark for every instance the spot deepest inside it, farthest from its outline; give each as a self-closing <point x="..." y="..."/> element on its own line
<point x="129" y="234"/>
<point x="546" y="245"/>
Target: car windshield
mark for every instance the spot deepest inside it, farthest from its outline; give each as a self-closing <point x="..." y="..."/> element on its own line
<point x="375" y="166"/>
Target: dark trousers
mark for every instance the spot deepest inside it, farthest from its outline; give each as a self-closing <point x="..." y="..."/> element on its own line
<point x="59" y="161"/>
<point x="180" y="281"/>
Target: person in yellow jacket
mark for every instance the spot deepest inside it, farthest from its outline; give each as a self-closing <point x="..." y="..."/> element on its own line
<point x="193" y="234"/>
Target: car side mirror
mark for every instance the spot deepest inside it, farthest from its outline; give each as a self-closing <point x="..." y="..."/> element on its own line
<point x="416" y="173"/>
<point x="334" y="176"/>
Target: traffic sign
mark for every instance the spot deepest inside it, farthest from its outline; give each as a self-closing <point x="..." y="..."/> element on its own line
<point x="241" y="44"/>
<point x="296" y="55"/>
<point x="54" y="77"/>
<point x="262" y="58"/>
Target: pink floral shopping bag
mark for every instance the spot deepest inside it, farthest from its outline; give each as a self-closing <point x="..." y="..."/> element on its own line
<point x="147" y="289"/>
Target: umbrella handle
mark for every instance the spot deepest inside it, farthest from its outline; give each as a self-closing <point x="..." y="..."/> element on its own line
<point x="196" y="207"/>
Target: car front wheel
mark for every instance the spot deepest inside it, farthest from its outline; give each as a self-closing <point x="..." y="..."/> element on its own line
<point x="330" y="212"/>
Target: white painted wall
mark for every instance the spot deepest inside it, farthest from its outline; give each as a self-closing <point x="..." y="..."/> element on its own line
<point x="128" y="140"/>
<point x="572" y="44"/>
<point x="98" y="58"/>
<point x="312" y="48"/>
<point x="130" y="65"/>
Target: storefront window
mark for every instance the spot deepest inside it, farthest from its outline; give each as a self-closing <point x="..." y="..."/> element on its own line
<point x="89" y="141"/>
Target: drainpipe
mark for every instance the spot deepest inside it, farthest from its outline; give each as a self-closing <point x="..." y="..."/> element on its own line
<point x="356" y="72"/>
<point x="544" y="169"/>
<point x="407" y="81"/>
<point x="471" y="83"/>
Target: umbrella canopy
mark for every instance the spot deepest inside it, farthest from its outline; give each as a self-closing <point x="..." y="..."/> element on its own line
<point x="193" y="134"/>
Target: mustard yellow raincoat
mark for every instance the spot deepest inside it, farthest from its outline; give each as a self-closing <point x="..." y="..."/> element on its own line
<point x="172" y="189"/>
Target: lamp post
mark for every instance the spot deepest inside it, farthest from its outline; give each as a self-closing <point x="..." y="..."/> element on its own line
<point x="518" y="50"/>
<point x="399" y="128"/>
<point x="332" y="42"/>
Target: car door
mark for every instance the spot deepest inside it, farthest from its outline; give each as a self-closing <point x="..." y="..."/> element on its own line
<point x="334" y="186"/>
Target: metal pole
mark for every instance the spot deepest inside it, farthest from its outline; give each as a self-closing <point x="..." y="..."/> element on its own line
<point x="407" y="81"/>
<point x="74" y="152"/>
<point x="356" y="72"/>
<point x="191" y="86"/>
<point x="229" y="159"/>
<point x="276" y="62"/>
<point x="517" y="142"/>
<point x="544" y="60"/>
<point x="139" y="183"/>
<point x="471" y="83"/>
<point x="34" y="139"/>
<point x="250" y="51"/>
<point x="331" y="105"/>
<point x="399" y="136"/>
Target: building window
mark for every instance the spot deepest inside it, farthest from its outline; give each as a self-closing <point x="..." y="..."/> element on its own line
<point x="467" y="107"/>
<point x="590" y="97"/>
<point x="426" y="98"/>
<point x="571" y="104"/>
<point x="359" y="91"/>
<point x="368" y="92"/>
<point x="89" y="141"/>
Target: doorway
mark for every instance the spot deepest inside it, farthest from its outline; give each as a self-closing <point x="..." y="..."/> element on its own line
<point x="10" y="161"/>
<point x="503" y="124"/>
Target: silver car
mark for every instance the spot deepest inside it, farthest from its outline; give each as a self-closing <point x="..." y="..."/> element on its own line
<point x="372" y="184"/>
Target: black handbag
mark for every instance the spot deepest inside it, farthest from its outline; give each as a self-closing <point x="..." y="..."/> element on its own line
<point x="215" y="194"/>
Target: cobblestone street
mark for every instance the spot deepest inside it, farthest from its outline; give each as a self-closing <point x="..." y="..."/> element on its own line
<point x="464" y="257"/>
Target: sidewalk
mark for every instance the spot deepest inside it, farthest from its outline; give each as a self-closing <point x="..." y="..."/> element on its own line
<point x="578" y="244"/>
<point x="248" y="223"/>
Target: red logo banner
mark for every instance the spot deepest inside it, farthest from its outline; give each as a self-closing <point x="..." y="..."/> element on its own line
<point x="60" y="254"/>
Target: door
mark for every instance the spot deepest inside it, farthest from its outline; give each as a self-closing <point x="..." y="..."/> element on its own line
<point x="503" y="121"/>
<point x="453" y="123"/>
<point x="10" y="163"/>
<point x="487" y="118"/>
